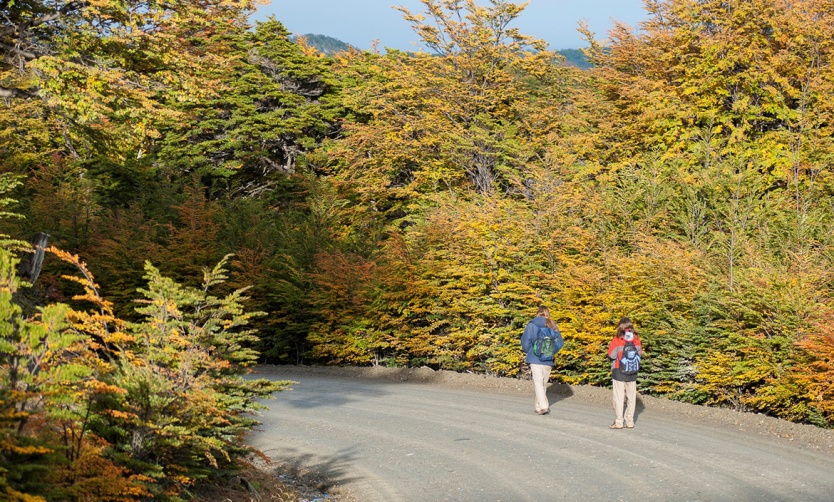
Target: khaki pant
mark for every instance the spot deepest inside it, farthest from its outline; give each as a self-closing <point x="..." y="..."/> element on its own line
<point x="627" y="391"/>
<point x="541" y="374"/>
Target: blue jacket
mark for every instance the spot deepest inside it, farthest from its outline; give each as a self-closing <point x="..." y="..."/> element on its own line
<point x="531" y="332"/>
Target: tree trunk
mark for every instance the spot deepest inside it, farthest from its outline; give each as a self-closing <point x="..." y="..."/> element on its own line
<point x="30" y="266"/>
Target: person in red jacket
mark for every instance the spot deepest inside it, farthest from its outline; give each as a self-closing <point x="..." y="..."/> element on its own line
<point x="624" y="381"/>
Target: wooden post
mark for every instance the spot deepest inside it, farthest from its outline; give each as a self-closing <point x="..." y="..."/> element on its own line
<point x="30" y="266"/>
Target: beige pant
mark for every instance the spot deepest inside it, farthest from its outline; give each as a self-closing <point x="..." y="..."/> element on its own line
<point x="541" y="374"/>
<point x="627" y="391"/>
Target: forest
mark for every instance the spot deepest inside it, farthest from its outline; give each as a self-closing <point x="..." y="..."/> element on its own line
<point x="186" y="195"/>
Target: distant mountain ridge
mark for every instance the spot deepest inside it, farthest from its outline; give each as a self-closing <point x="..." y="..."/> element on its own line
<point x="575" y="57"/>
<point x="329" y="46"/>
<point x="324" y="44"/>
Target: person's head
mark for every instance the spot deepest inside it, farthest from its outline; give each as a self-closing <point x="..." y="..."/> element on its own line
<point x="545" y="312"/>
<point x="624" y="325"/>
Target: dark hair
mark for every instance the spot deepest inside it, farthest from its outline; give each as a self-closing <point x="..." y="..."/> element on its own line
<point x="545" y="312"/>
<point x="625" y="325"/>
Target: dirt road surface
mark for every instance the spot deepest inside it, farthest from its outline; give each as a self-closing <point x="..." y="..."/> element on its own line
<point x="378" y="434"/>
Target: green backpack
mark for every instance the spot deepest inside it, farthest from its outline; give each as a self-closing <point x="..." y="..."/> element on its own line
<point x="547" y="343"/>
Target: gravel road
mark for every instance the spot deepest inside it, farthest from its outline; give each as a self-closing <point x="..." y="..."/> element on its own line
<point x="419" y="435"/>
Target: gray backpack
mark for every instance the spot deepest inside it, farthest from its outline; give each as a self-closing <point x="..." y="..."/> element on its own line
<point x="630" y="359"/>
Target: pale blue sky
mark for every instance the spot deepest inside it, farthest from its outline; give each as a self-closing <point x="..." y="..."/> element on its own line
<point x="360" y="22"/>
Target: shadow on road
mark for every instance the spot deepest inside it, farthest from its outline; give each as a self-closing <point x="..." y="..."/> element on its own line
<point x="557" y="392"/>
<point x="315" y="471"/>
<point x="639" y="407"/>
<point x="328" y="399"/>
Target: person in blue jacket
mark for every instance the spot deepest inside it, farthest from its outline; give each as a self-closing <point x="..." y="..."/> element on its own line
<point x="539" y="369"/>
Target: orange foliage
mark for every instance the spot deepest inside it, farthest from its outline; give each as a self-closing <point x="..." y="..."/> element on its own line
<point x="343" y="298"/>
<point x="816" y="378"/>
<point x="93" y="477"/>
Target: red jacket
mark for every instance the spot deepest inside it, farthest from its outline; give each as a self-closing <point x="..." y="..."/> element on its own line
<point x="615" y="348"/>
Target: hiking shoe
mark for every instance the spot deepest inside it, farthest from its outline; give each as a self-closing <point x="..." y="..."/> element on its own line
<point x="615" y="426"/>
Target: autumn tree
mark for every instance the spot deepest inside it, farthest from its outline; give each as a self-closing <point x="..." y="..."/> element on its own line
<point x="729" y="98"/>
<point x="273" y="103"/>
<point x="426" y="133"/>
<point x="452" y="120"/>
<point x="100" y="68"/>
<point x="168" y="406"/>
<point x="50" y="377"/>
<point x="185" y="406"/>
<point x="812" y="377"/>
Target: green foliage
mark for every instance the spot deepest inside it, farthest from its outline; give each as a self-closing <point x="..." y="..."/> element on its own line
<point x="270" y="106"/>
<point x="42" y="365"/>
<point x="8" y="183"/>
<point x="92" y="407"/>
<point x="185" y="405"/>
